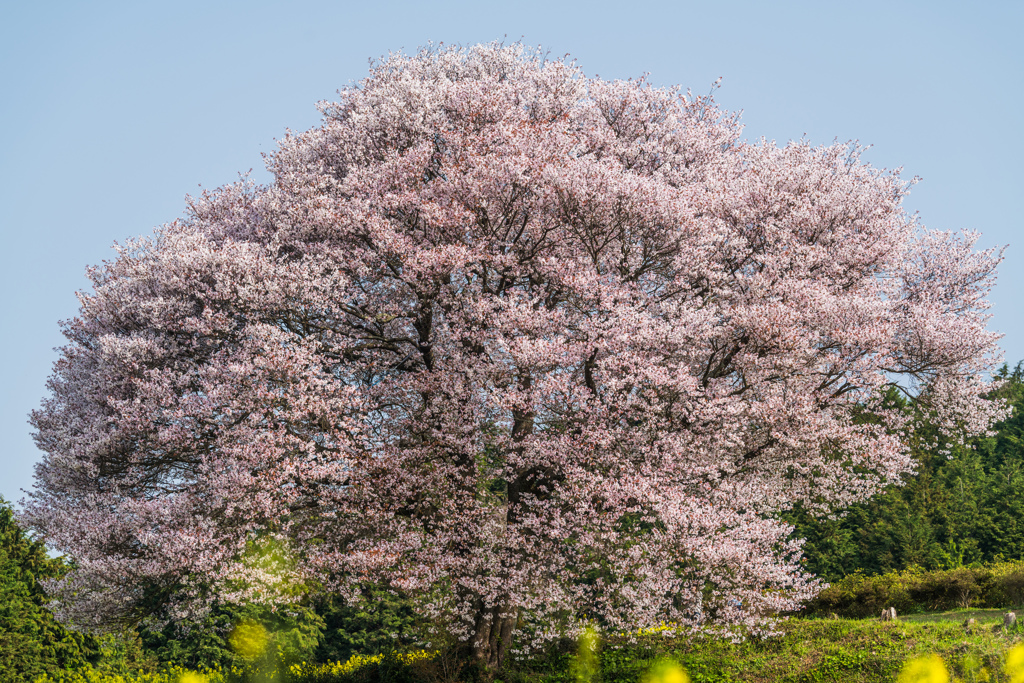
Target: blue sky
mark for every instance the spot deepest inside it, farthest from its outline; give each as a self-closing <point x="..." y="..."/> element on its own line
<point x="112" y="112"/>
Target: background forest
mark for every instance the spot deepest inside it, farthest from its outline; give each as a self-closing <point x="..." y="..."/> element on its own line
<point x="964" y="506"/>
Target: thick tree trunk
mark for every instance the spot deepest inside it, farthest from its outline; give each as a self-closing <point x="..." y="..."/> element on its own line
<point x="493" y="636"/>
<point x="492" y="632"/>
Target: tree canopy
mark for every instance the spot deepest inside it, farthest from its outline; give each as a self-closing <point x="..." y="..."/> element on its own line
<point x="535" y="347"/>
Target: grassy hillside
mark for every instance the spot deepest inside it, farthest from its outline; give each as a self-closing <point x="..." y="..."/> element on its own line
<point x="807" y="651"/>
<point x="810" y="650"/>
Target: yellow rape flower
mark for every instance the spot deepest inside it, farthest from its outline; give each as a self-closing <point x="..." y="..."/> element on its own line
<point x="928" y="669"/>
<point x="249" y="639"/>
<point x="667" y="671"/>
<point x="1015" y="664"/>
<point x="585" y="666"/>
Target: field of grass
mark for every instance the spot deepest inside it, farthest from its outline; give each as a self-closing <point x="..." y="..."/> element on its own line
<point x="987" y="617"/>
<point x="809" y="650"/>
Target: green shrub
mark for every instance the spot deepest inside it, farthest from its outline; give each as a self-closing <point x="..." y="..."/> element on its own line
<point x="379" y="622"/>
<point x="1008" y="587"/>
<point x="294" y="633"/>
<point x="915" y="590"/>
<point x="392" y="667"/>
<point x="325" y="629"/>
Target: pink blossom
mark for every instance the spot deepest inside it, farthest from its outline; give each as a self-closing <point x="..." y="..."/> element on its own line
<point x="527" y="344"/>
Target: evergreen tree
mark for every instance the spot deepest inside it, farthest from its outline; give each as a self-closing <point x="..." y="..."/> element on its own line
<point x="32" y="642"/>
<point x="964" y="505"/>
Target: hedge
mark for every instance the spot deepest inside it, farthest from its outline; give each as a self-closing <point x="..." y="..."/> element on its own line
<point x="915" y="590"/>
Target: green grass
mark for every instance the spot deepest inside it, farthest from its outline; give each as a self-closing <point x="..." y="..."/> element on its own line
<point x="808" y="651"/>
<point x="983" y="616"/>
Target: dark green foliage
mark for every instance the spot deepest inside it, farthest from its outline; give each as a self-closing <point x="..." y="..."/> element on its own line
<point x="122" y="654"/>
<point x="961" y="508"/>
<point x="326" y="630"/>
<point x="294" y="633"/>
<point x="381" y="621"/>
<point x="31" y="640"/>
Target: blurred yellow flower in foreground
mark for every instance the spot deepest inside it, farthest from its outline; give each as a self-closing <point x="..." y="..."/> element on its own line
<point x="249" y="639"/>
<point x="191" y="677"/>
<point x="666" y="671"/>
<point x="585" y="666"/>
<point x="1015" y="664"/>
<point x="928" y="669"/>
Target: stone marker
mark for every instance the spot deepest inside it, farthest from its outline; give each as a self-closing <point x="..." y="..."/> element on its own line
<point x="1009" y="619"/>
<point x="889" y="614"/>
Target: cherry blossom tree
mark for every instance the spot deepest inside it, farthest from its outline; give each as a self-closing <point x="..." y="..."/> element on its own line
<point x="538" y="348"/>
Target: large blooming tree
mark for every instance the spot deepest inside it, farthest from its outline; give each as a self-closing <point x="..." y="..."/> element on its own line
<point x="536" y="347"/>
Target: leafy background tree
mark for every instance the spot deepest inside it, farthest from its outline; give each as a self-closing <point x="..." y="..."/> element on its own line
<point x="963" y="506"/>
<point x="32" y="642"/>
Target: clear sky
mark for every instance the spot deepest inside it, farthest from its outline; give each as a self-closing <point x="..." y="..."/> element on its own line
<point x="112" y="112"/>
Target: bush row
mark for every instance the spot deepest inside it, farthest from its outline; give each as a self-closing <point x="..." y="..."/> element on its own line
<point x="915" y="590"/>
<point x="392" y="667"/>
